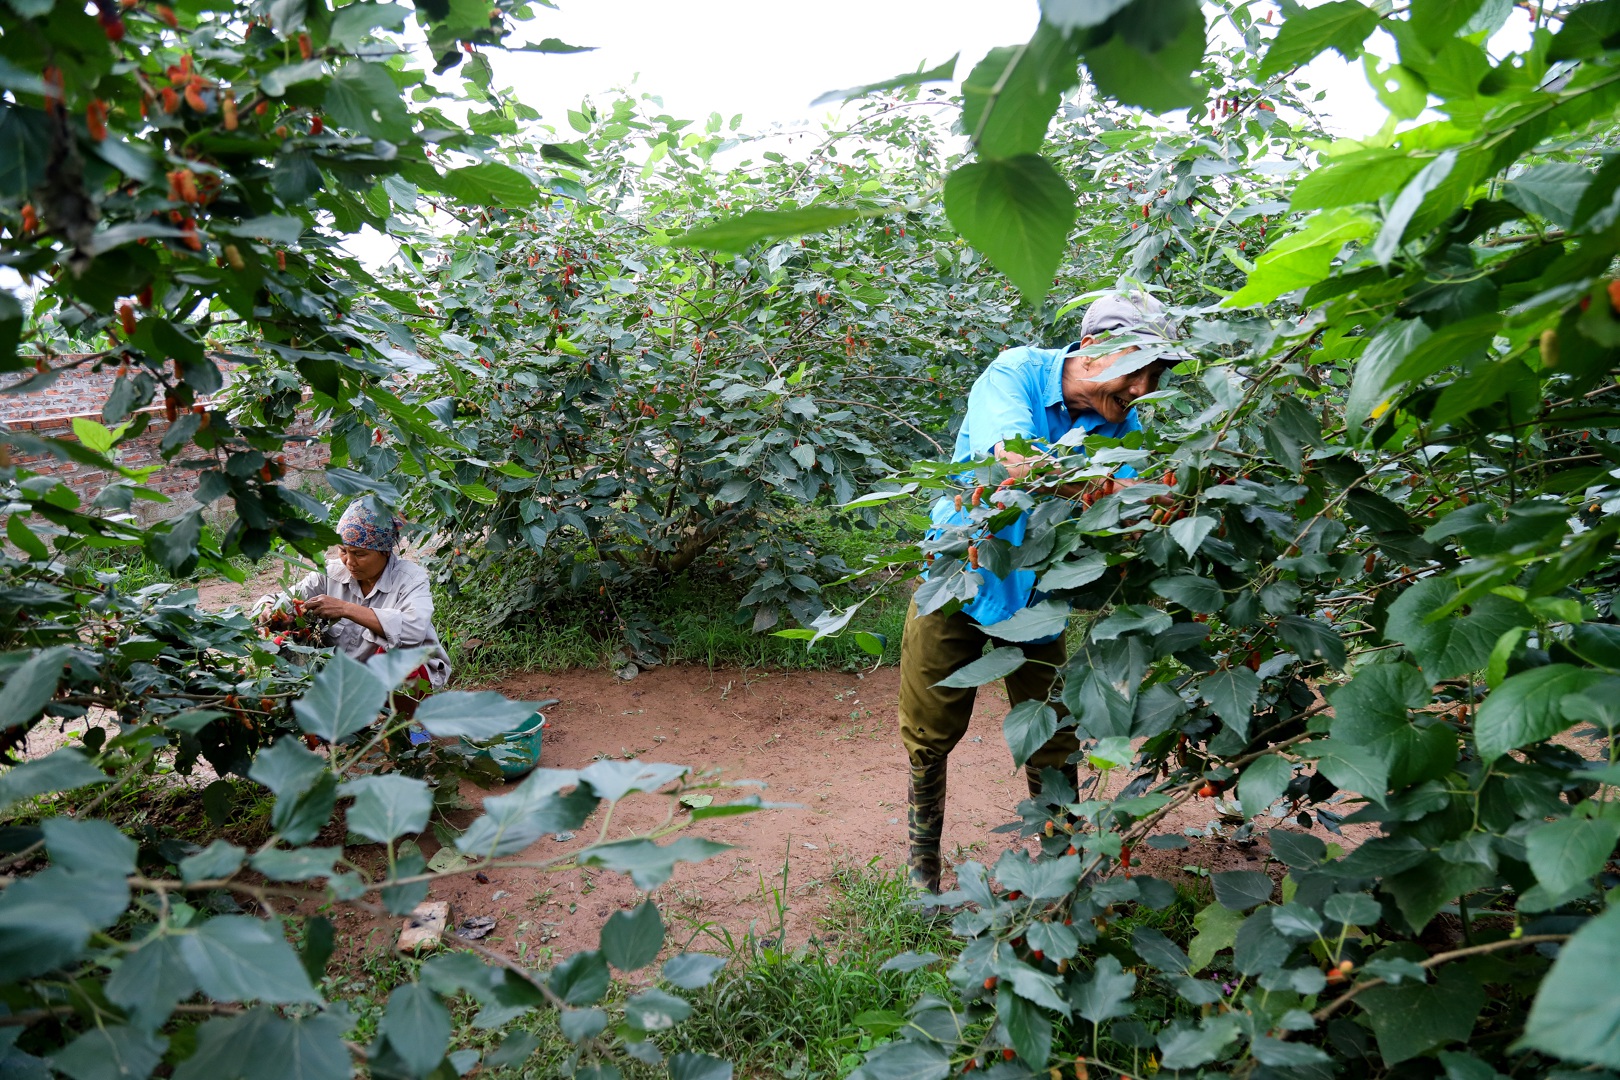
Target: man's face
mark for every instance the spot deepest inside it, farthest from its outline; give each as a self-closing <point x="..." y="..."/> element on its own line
<point x="1113" y="399"/>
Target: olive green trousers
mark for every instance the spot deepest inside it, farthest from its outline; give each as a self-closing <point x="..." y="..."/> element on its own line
<point x="933" y="720"/>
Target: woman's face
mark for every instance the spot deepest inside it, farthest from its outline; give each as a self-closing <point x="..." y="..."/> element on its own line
<point x="363" y="563"/>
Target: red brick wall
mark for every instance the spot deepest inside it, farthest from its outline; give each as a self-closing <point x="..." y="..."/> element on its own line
<point x="80" y="392"/>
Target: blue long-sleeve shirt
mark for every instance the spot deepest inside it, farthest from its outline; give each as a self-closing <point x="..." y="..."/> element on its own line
<point x="1019" y="396"/>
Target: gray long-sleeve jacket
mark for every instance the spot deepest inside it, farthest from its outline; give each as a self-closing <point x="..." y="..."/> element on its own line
<point x="403" y="602"/>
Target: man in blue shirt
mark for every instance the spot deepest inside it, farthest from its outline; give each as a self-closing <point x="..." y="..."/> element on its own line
<point x="1038" y="395"/>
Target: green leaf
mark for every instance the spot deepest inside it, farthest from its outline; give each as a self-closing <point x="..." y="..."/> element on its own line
<point x="1217" y="927"/>
<point x="1262" y="783"/>
<point x="1572" y="1017"/>
<point x="631" y="939"/>
<point x="1528" y="708"/>
<point x="613" y="780"/>
<point x="582" y="979"/>
<point x="1030" y="623"/>
<point x="1131" y="619"/>
<point x="351" y="24"/>
<point x="655" y="1010"/>
<point x="1027" y="1026"/>
<point x="1423" y="890"/>
<point x="1071" y="15"/>
<point x="286" y="767"/>
<point x="738" y="234"/>
<point x="943" y="73"/>
<point x="89" y="845"/>
<point x="63" y="770"/>
<point x="513" y="821"/>
<point x="690" y="1066"/>
<point x="1352" y="909"/>
<point x="25" y="147"/>
<point x="490" y="183"/>
<point x="1373" y="713"/>
<point x="1232" y="694"/>
<point x="364" y="98"/>
<point x="1300" y="259"/>
<point x="387" y="805"/>
<point x="1414" y="1018"/>
<point x="1258" y="946"/>
<point x="1457" y="644"/>
<point x="238" y="958"/>
<point x="277" y="229"/>
<point x="1009" y="97"/>
<point x="1374" y="382"/>
<point x="479" y="714"/>
<point x="995" y="664"/>
<point x="907" y="1060"/>
<point x="31" y="686"/>
<point x="692" y="971"/>
<point x="91" y="434"/>
<point x="1029" y="725"/>
<point x="262" y="1045"/>
<point x="1106" y="995"/>
<point x="1073" y="574"/>
<point x="648" y="864"/>
<point x="1356" y="178"/>
<point x="402" y="899"/>
<point x="417" y="1026"/>
<point x="1297" y="850"/>
<point x="1406" y="204"/>
<point x="219" y="859"/>
<point x="1158" y="950"/>
<point x="298" y="864"/>
<point x="1241" y="890"/>
<point x="1312" y="640"/>
<point x="111" y="1053"/>
<point x="1567" y="853"/>
<point x="1550" y="191"/>
<point x="1287" y="1055"/>
<point x="1183" y="1046"/>
<point x="18" y="532"/>
<point x="1136" y="66"/>
<point x="345" y="698"/>
<point x="1353" y="768"/>
<point x="1190" y="532"/>
<point x="151" y="980"/>
<point x="871" y="644"/>
<point x="1341" y="25"/>
<point x="46" y="918"/>
<point x="1017" y="211"/>
<point x="1191" y="592"/>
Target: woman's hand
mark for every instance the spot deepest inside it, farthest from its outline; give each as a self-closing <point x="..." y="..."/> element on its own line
<point x="328" y="607"/>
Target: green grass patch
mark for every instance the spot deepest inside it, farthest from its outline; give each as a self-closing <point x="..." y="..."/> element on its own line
<point x="809" y="1012"/>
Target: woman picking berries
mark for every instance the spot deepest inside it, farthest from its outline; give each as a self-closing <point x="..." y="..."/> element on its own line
<point x="1038" y="395"/>
<point x="376" y="600"/>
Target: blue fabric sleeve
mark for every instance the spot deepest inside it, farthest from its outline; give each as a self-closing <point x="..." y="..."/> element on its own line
<point x="1000" y="407"/>
<point x="1132" y="423"/>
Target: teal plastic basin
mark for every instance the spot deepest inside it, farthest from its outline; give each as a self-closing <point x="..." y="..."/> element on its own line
<point x="517" y="752"/>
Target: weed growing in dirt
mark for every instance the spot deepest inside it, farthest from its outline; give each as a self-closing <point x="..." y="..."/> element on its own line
<point x="815" y="1010"/>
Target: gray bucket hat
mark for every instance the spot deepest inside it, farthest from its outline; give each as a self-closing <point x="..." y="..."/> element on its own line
<point x="1127" y="319"/>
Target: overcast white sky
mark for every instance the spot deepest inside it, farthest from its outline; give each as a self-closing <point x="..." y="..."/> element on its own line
<point x="769" y="61"/>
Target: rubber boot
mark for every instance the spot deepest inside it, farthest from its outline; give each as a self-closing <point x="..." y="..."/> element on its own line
<point x="925" y="824"/>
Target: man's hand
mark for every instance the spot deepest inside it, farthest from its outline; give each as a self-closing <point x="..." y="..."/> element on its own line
<point x="328" y="607"/>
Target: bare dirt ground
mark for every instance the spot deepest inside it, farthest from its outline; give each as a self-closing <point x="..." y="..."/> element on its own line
<point x="825" y="741"/>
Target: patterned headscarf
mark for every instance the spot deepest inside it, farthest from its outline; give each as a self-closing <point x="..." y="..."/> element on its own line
<point x="365" y="525"/>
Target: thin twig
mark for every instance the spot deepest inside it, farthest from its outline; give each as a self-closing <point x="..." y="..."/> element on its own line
<point x="1435" y="961"/>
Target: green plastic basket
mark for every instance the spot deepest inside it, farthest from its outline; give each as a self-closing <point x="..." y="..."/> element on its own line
<point x="516" y="752"/>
